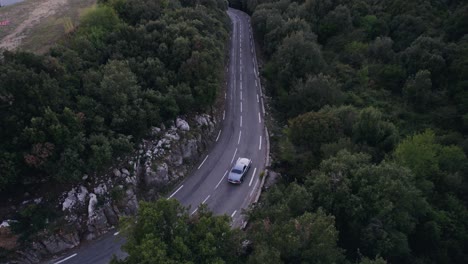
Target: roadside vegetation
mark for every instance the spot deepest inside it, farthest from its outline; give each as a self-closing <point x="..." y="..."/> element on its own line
<point x="164" y="232"/>
<point x="372" y="99"/>
<point x="90" y="99"/>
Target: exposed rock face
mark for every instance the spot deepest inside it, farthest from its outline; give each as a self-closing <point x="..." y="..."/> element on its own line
<point x="95" y="206"/>
<point x="170" y="156"/>
<point x="57" y="242"/>
<point x="182" y="124"/>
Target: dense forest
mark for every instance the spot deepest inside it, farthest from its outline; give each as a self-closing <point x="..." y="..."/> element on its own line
<point x="371" y="98"/>
<point x="128" y="66"/>
<point x="370" y="108"/>
<point x="86" y="104"/>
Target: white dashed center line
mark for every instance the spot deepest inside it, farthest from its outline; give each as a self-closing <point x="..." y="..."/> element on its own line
<point x="233" y="156"/>
<point x="253" y="189"/>
<point x="203" y="162"/>
<point x="175" y="192"/>
<point x="194" y="211"/>
<point x="241" y="106"/>
<point x="234" y="213"/>
<point x="221" y="180"/>
<point x="253" y="176"/>
<point x="260" y="144"/>
<point x="65" y="259"/>
<point x="258" y="99"/>
<point x="240" y="134"/>
<point x="259" y="119"/>
<point x="204" y="201"/>
<point x="241" y="121"/>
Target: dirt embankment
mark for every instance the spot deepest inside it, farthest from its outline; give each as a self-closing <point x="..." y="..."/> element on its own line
<point x="35" y="25"/>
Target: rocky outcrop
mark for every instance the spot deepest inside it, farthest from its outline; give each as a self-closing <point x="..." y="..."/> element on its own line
<point x="169" y="158"/>
<point x="93" y="207"/>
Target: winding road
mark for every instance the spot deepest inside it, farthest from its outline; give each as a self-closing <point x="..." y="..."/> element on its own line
<point x="242" y="134"/>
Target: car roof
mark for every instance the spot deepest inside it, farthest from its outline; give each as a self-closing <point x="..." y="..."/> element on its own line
<point x="238" y="167"/>
<point x="243" y="161"/>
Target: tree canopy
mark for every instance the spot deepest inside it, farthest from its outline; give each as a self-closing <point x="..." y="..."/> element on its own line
<point x="369" y="102"/>
<point x="163" y="232"/>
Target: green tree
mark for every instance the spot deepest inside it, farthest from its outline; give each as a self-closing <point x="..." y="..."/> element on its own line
<point x="370" y="128"/>
<point x="309" y="238"/>
<point x="306" y="55"/>
<point x="9" y="167"/>
<point x="311" y="95"/>
<point x="376" y="206"/>
<point x="417" y="90"/>
<point x="312" y="129"/>
<point x="163" y="232"/>
<point x="336" y="21"/>
<point x="431" y="162"/>
<point x="100" y="151"/>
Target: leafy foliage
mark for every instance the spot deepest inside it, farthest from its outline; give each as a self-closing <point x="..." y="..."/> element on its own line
<point x="129" y="65"/>
<point x="163" y="232"/>
<point x="372" y="96"/>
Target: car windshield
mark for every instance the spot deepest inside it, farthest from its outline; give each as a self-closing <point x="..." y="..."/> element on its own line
<point x="236" y="171"/>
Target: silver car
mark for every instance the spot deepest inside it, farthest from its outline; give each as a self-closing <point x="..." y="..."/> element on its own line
<point x="239" y="170"/>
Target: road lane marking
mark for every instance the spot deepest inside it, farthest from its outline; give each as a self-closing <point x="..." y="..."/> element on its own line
<point x="258" y="101"/>
<point x="116" y="233"/>
<point x="241" y="95"/>
<point x="259" y="119"/>
<point x="175" y="192"/>
<point x="241" y="78"/>
<point x="67" y="258"/>
<point x="224" y="114"/>
<point x="241" y="121"/>
<point x="234" y="213"/>
<point x="194" y="211"/>
<point x="238" y="141"/>
<point x="221" y="180"/>
<point x="218" y="135"/>
<point x="256" y="84"/>
<point x="241" y="86"/>
<point x="202" y="162"/>
<point x="253" y="189"/>
<point x="233" y="156"/>
<point x="204" y="201"/>
<point x="260" y="145"/>
<point x="241" y="106"/>
<point x="253" y="176"/>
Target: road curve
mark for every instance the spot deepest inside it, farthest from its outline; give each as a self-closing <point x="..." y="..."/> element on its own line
<point x="242" y="134"/>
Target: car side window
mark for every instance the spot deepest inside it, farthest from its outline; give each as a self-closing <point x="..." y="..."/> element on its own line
<point x="244" y="167"/>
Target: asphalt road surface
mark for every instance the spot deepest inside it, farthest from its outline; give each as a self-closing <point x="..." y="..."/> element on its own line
<point x="242" y="134"/>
